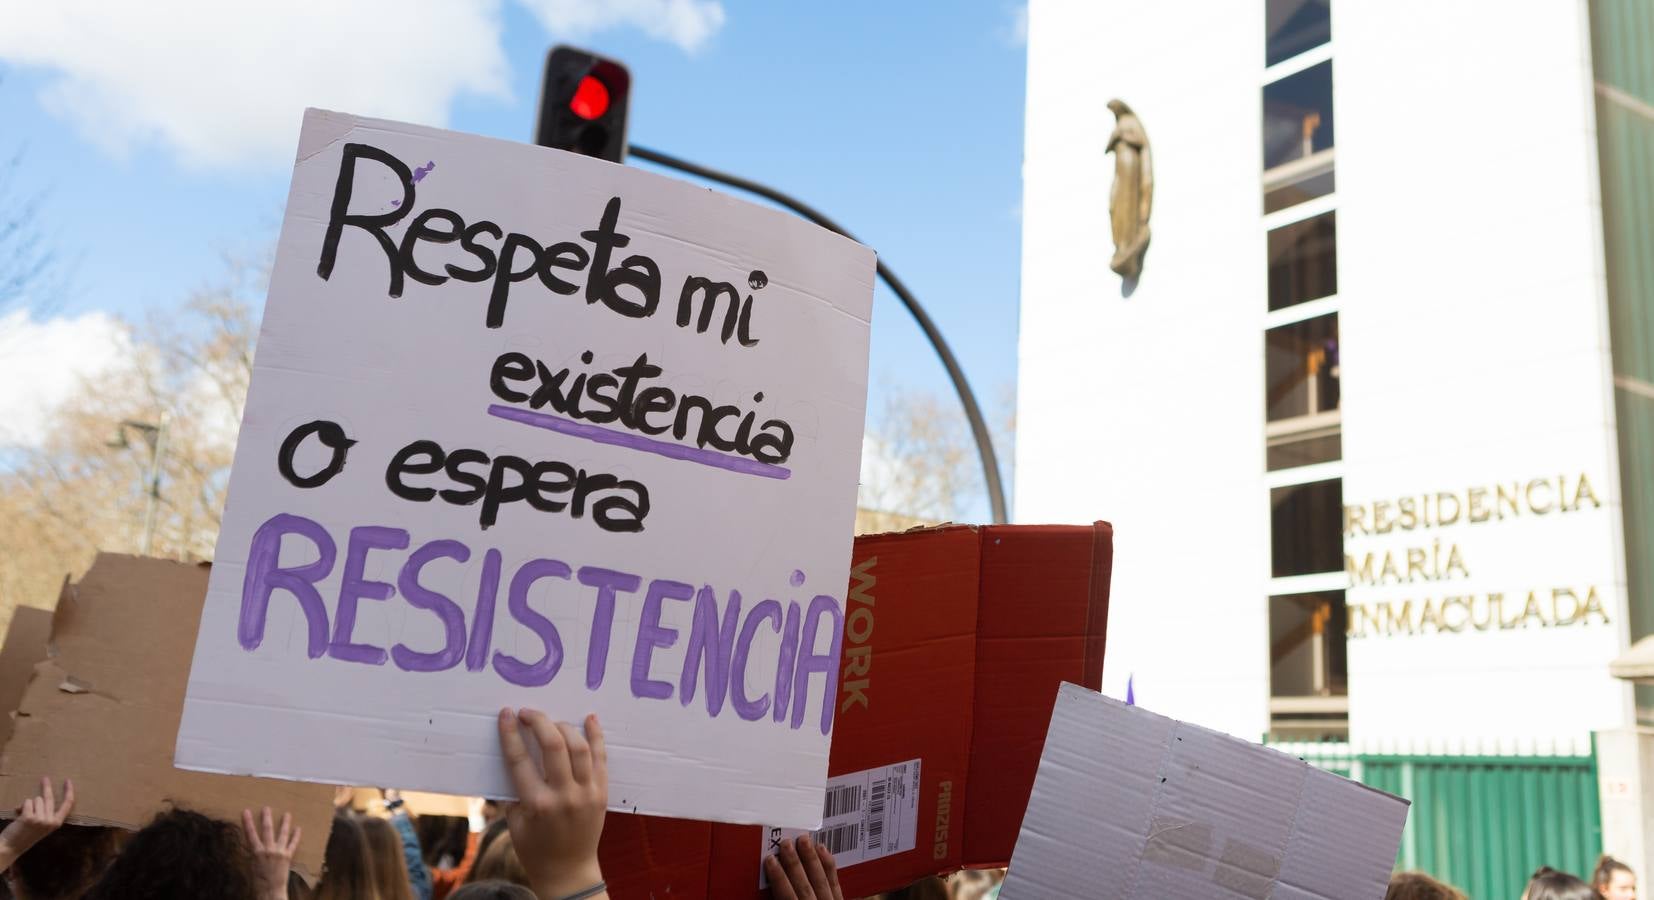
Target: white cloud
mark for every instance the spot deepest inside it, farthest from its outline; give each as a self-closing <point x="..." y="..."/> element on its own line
<point x="224" y="83"/>
<point x="43" y="361"/>
<point x="687" y="23"/>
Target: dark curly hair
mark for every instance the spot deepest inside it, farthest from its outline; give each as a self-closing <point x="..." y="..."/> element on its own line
<point x="65" y="863"/>
<point x="181" y="853"/>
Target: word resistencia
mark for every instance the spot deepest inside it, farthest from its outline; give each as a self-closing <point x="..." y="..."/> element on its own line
<point x="718" y="644"/>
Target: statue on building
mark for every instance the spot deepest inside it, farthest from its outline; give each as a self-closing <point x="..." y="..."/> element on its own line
<point x="1133" y="192"/>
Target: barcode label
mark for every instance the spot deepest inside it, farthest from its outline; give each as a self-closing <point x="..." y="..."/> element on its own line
<point x="864" y="816"/>
<point x="841" y="839"/>
<point x="841" y="800"/>
<point x="875" y="814"/>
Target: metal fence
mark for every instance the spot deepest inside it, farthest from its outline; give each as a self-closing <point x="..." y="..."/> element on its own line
<point x="1482" y="823"/>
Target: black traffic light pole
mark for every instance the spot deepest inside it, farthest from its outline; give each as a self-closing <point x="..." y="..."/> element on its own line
<point x="979" y="428"/>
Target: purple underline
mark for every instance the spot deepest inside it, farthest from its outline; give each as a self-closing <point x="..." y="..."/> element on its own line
<point x="638" y="442"/>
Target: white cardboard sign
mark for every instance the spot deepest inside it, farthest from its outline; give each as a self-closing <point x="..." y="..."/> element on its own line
<point x="1132" y="805"/>
<point x="532" y="429"/>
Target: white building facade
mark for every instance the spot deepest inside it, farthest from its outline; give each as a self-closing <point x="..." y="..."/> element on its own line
<point x="1355" y="423"/>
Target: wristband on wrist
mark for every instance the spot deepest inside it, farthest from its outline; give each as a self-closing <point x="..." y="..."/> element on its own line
<point x="593" y="891"/>
<point x="394" y="805"/>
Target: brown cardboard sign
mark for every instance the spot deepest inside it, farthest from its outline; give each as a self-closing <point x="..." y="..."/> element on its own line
<point x="103" y="709"/>
<point x="27" y="637"/>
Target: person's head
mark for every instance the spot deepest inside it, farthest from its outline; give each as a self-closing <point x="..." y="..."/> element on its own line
<point x="297" y="889"/>
<point x="1549" y="884"/>
<point x="180" y="854"/>
<point x="489" y="836"/>
<point x="64" y="864"/>
<point x="1614" y="880"/>
<point x="492" y="890"/>
<point x="442" y="839"/>
<point x="499" y="863"/>
<point x="390" y="867"/>
<point x="1419" y="886"/>
<point x="347" y="870"/>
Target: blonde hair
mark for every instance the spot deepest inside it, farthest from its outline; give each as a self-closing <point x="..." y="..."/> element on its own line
<point x="390" y="865"/>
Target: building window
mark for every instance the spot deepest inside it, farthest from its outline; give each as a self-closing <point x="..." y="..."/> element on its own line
<point x="1301" y="369"/>
<point x="1293" y="26"/>
<point x="1290" y="448"/>
<point x="1306" y="528"/>
<point x="1297" y="116"/>
<point x="1297" y="181"/>
<point x="1303" y="261"/>
<point x="1306" y="645"/>
<point x="1308" y="668"/>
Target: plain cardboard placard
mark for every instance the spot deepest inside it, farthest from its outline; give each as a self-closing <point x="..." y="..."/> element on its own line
<point x="104" y="708"/>
<point x="27" y="637"/>
<point x="1129" y="804"/>
<point x="528" y="428"/>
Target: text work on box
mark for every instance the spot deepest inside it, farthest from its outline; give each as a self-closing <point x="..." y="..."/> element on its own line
<point x="531" y="429"/>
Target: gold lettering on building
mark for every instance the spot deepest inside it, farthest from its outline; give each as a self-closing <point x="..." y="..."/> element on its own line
<point x="1473" y="505"/>
<point x="1553" y="608"/>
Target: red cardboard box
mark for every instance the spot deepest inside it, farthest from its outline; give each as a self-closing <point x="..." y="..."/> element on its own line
<point x="956" y="639"/>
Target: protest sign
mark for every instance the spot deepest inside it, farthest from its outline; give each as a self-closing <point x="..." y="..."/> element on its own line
<point x="1129" y="804"/>
<point x="27" y="636"/>
<point x="528" y="428"/>
<point x="104" y="706"/>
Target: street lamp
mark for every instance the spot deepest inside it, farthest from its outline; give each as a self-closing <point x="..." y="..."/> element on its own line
<point x="155" y="435"/>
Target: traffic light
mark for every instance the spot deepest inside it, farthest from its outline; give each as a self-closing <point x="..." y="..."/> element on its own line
<point x="583" y="104"/>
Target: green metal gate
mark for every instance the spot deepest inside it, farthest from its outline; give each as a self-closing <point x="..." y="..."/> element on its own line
<point x="1483" y="823"/>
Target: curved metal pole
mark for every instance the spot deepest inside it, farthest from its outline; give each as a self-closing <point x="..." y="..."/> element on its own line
<point x="979" y="428"/>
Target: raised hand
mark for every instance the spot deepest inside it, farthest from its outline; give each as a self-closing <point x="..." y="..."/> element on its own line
<point x="803" y="872"/>
<point x="272" y="851"/>
<point x="558" y="817"/>
<point x="38" y="817"/>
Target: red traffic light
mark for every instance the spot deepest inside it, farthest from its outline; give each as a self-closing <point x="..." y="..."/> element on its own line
<point x="590" y="100"/>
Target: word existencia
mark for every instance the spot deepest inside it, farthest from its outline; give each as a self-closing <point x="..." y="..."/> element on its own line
<point x="719" y="642"/>
<point x="519" y="257"/>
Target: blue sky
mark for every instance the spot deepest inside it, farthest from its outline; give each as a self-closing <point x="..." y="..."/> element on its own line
<point x="901" y="120"/>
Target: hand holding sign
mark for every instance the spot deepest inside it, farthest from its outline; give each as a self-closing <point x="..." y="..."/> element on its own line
<point x="561" y="800"/>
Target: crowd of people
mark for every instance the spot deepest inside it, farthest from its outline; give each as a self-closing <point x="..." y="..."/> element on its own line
<point x="542" y="847"/>
<point x="1612" y="880"/>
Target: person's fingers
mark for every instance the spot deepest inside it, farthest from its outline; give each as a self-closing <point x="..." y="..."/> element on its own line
<point x="48" y="797"/>
<point x="795" y="871"/>
<point x="554" y="753"/>
<point x="293" y="845"/>
<point x="580" y="753"/>
<point x="525" y="776"/>
<point x="600" y="749"/>
<point x="68" y="800"/>
<point x="829" y="866"/>
<point x="812" y="868"/>
<point x="286" y="829"/>
<point x="269" y="833"/>
<point x="252" y="831"/>
<point x="29" y="809"/>
<point x="780" y="887"/>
